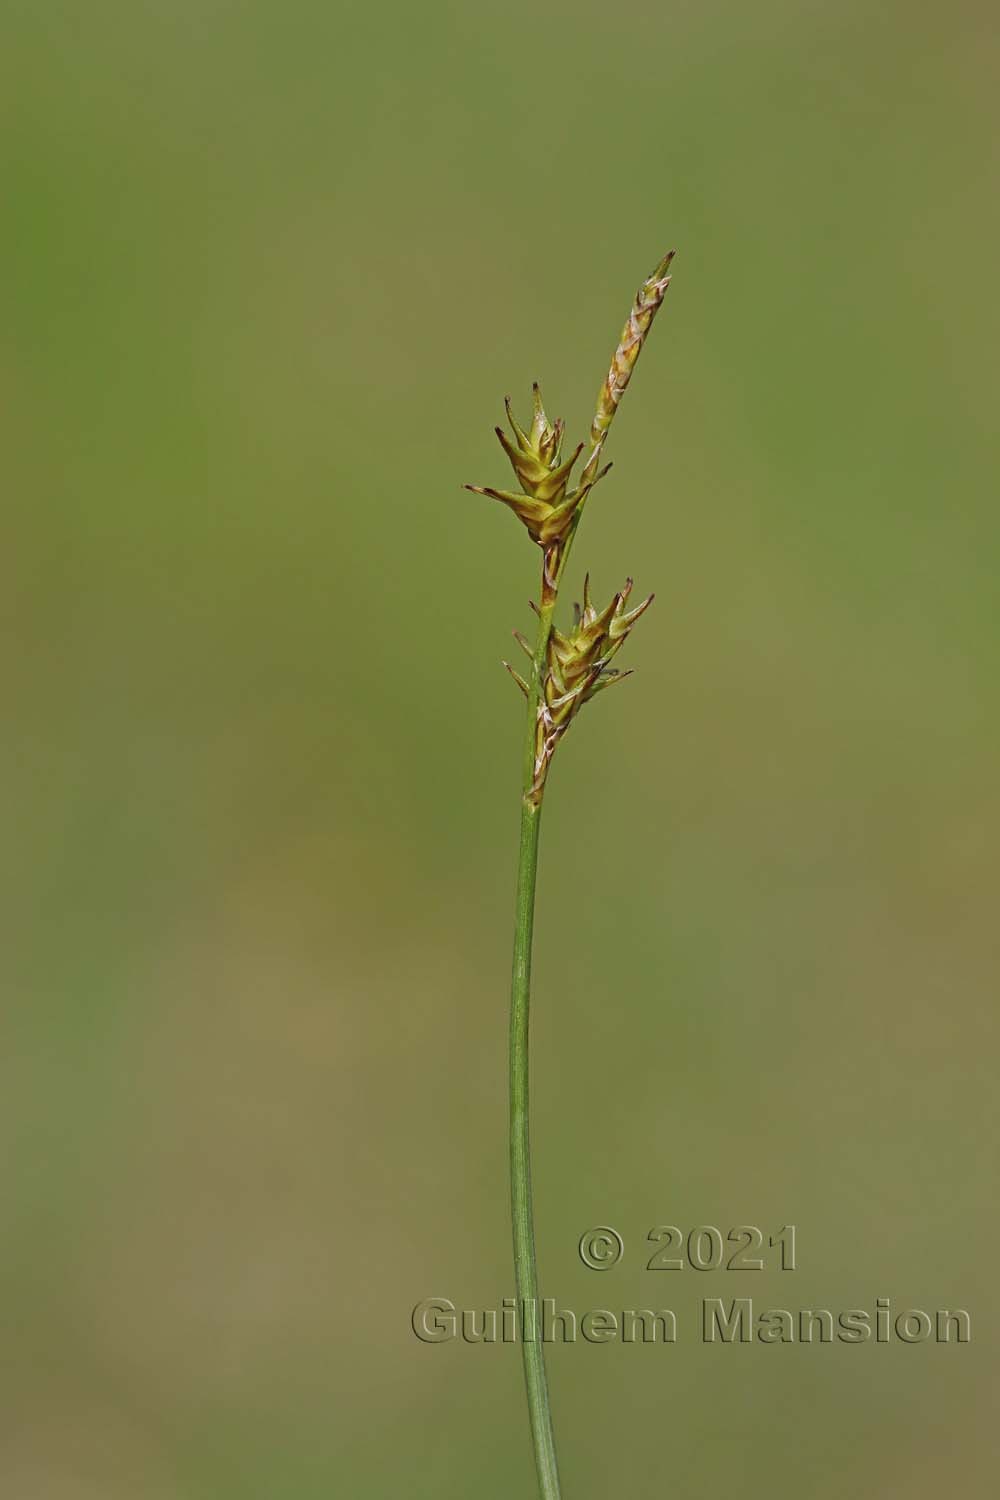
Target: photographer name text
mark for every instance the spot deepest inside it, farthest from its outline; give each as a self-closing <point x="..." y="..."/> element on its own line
<point x="736" y="1320"/>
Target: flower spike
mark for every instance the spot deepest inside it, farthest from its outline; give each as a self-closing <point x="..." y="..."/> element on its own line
<point x="578" y="667"/>
<point x="545" y="504"/>
<point x="640" y="319"/>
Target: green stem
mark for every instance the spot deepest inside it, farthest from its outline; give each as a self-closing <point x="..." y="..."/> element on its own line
<point x="522" y="1211"/>
<point x="525" y="1262"/>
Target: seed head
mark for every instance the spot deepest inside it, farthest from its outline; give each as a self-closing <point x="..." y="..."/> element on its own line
<point x="639" y="321"/>
<point x="578" y="667"/>
<point x="546" y="505"/>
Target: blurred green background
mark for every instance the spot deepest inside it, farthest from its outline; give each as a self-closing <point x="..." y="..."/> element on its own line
<point x="268" y="272"/>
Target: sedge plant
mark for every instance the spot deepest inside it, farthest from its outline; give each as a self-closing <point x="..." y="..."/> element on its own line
<point x="565" y="670"/>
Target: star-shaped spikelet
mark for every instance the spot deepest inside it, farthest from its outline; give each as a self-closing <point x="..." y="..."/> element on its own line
<point x="578" y="667"/>
<point x="545" y="504"/>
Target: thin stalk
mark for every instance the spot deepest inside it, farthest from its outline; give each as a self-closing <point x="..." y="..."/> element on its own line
<point x="525" y="1262"/>
<point x="522" y="1214"/>
<point x="522" y="1208"/>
